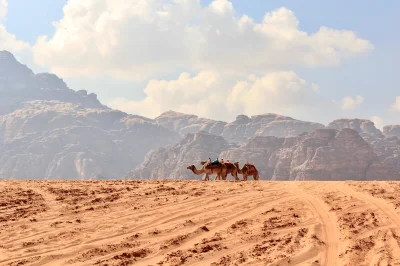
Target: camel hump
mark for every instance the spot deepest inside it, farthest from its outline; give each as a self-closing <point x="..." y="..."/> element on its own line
<point x="250" y="166"/>
<point x="214" y="166"/>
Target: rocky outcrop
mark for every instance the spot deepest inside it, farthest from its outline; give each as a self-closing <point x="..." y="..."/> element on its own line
<point x="55" y="140"/>
<point x="184" y="124"/>
<point x="171" y="162"/>
<point x="362" y="126"/>
<point x="392" y="131"/>
<point x="19" y="84"/>
<point x="325" y="154"/>
<point x="262" y="151"/>
<point x="245" y="127"/>
<point x="241" y="129"/>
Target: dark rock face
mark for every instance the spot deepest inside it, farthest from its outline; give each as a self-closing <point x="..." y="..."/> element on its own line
<point x="387" y="149"/>
<point x="171" y="162"/>
<point x="48" y="131"/>
<point x="325" y="154"/>
<point x="262" y="151"/>
<point x="54" y="140"/>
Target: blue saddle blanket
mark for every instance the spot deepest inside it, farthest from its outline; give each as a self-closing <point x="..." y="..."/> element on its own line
<point x="215" y="161"/>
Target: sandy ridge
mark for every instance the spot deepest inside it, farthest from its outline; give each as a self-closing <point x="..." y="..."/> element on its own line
<point x="331" y="236"/>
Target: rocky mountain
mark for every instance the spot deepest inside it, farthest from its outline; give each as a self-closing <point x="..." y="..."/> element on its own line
<point x="171" y="162"/>
<point x="325" y="154"/>
<point x="19" y="84"/>
<point x="183" y="123"/>
<point x="245" y="127"/>
<point x="385" y="144"/>
<point x="50" y="131"/>
<point x="241" y="129"/>
<point x="362" y="126"/>
<point x="392" y="131"/>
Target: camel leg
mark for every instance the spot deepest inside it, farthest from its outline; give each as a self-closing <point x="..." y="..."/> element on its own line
<point x="206" y="178"/>
<point x="236" y="177"/>
<point x="245" y="177"/>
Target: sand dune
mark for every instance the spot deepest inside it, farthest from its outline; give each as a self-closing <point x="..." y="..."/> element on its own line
<point x="199" y="223"/>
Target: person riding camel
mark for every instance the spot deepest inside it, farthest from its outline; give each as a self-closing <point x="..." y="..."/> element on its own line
<point x="215" y="162"/>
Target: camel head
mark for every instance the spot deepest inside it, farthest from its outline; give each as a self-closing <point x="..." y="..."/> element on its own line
<point x="191" y="167"/>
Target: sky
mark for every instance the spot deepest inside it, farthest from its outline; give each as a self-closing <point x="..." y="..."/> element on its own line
<point x="312" y="60"/>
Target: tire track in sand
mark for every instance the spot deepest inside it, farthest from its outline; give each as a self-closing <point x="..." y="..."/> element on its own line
<point x="381" y="204"/>
<point x="331" y="235"/>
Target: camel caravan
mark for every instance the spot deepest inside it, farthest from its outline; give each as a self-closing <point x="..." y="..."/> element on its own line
<point x="222" y="169"/>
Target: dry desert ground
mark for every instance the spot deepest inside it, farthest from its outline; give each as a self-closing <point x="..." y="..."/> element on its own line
<point x="199" y="223"/>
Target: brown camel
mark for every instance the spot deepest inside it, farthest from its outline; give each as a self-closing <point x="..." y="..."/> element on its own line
<point x="230" y="169"/>
<point x="209" y="169"/>
<point x="248" y="170"/>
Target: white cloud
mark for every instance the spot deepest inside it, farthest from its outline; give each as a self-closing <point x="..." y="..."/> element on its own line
<point x="378" y="122"/>
<point x="3" y="9"/>
<point x="396" y="105"/>
<point x="210" y="94"/>
<point x="137" y="39"/>
<point x="10" y="43"/>
<point x="348" y="103"/>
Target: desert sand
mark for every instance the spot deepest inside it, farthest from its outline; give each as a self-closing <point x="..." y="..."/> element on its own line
<point x="199" y="223"/>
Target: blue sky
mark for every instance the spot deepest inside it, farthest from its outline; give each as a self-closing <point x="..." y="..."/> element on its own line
<point x="371" y="19"/>
<point x="372" y="75"/>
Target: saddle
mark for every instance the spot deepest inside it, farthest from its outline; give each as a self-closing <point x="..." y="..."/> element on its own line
<point x="250" y="166"/>
<point x="213" y="166"/>
<point x="215" y="162"/>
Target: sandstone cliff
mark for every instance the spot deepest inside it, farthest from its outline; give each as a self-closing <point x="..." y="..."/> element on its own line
<point x="325" y="154"/>
<point x="360" y="125"/>
<point x="171" y="162"/>
<point x="392" y="131"/>
<point x="386" y="144"/>
<point x="50" y="131"/>
<point x="183" y="123"/>
<point x="241" y="129"/>
<point x="245" y="127"/>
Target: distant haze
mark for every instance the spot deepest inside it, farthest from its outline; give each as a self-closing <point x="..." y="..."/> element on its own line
<point x="49" y="131"/>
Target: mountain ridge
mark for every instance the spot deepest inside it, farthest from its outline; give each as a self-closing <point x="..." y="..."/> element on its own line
<point x="49" y="131"/>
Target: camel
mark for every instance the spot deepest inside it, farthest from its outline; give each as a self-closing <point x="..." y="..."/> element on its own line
<point x="230" y="169"/>
<point x="248" y="170"/>
<point x="208" y="169"/>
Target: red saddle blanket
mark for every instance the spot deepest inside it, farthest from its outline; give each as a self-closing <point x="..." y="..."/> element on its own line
<point x="213" y="166"/>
